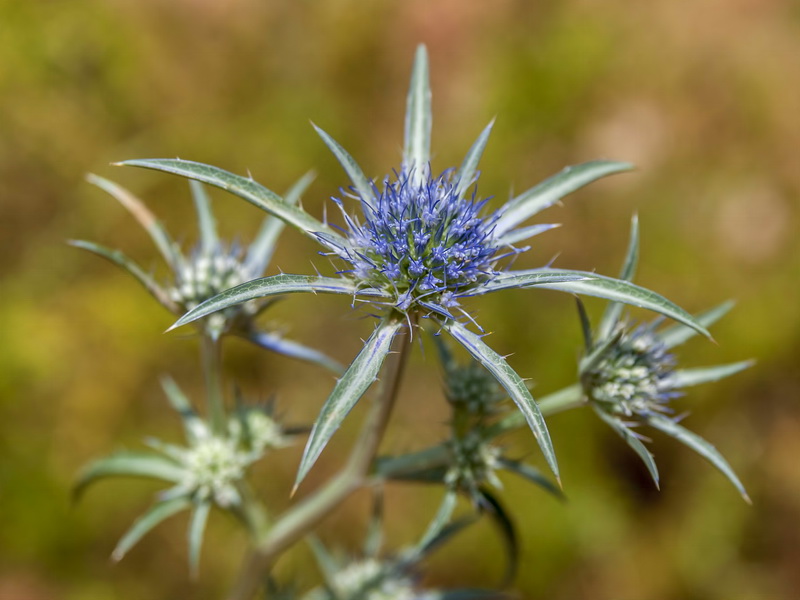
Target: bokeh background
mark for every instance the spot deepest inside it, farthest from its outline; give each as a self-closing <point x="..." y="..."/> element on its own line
<point x="703" y="98"/>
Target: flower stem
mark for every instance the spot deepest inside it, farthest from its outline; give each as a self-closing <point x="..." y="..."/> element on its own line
<point x="301" y="518"/>
<point x="212" y="368"/>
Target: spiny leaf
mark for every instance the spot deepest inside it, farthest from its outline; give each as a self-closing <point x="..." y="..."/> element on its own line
<point x="609" y="288"/>
<point x="533" y="475"/>
<point x="512" y="383"/>
<point x="689" y="377"/>
<point x="120" y="259"/>
<point x="409" y="464"/>
<point x="677" y="334"/>
<point x="273" y="286"/>
<point x="490" y="504"/>
<point x="363" y="186"/>
<point x="614" y="309"/>
<point x="632" y="441"/>
<point x="155" y="515"/>
<point x="197" y="527"/>
<point x="326" y="562"/>
<point x="466" y="173"/>
<point x="586" y="326"/>
<point x="128" y="464"/>
<point x="699" y="445"/>
<point x="440" y="520"/>
<point x="155" y="229"/>
<point x="208" y="224"/>
<point x="417" y="147"/>
<point x="528" y="278"/>
<point x="348" y="390"/>
<point x="192" y="423"/>
<point x="281" y="345"/>
<point x="244" y="187"/>
<point x="551" y="190"/>
<point x="260" y="252"/>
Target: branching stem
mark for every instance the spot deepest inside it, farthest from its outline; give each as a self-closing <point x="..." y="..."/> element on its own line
<point x="301" y="518"/>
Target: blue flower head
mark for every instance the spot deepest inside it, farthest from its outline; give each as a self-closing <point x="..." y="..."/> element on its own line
<point x="421" y="240"/>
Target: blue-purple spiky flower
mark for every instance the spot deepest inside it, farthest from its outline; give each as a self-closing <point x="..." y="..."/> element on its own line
<point x="421" y="240"/>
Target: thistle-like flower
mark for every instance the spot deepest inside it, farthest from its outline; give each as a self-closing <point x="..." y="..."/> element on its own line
<point x="210" y="268"/>
<point x="630" y="376"/>
<point x="208" y="471"/>
<point x="421" y="244"/>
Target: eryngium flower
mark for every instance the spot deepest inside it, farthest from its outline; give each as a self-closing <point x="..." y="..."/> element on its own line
<point x="208" y="471"/>
<point x="424" y="244"/>
<point x="630" y="376"/>
<point x="422" y="240"/>
<point x="211" y="267"/>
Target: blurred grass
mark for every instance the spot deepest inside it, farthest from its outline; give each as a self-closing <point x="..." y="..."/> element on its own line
<point x="705" y="101"/>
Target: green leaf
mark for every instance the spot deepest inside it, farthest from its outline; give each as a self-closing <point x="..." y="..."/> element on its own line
<point x="490" y="504"/>
<point x="677" y="334"/>
<point x="128" y="464"/>
<point x="192" y="423"/>
<point x="512" y="383"/>
<point x="261" y="250"/>
<point x="614" y="309"/>
<point x="363" y="186"/>
<point x="533" y="475"/>
<point x="551" y="190"/>
<point x="417" y="147"/>
<point x="440" y="520"/>
<point x="155" y="229"/>
<point x="632" y="441"/>
<point x="280" y="345"/>
<point x="592" y="284"/>
<point x="120" y="259"/>
<point x="273" y="286"/>
<point x="326" y="562"/>
<point x="197" y="527"/>
<point x="699" y="445"/>
<point x="348" y="390"/>
<point x="155" y="515"/>
<point x="244" y="187"/>
<point x="208" y="224"/>
<point x="689" y="377"/>
<point x="466" y="173"/>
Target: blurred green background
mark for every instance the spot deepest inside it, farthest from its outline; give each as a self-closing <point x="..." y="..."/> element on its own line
<point x="704" y="98"/>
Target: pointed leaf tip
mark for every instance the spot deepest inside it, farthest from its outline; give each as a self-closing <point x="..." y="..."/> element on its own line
<point x="360" y="375"/>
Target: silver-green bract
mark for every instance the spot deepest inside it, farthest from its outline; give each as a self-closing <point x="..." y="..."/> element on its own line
<point x="210" y="268"/>
<point x="208" y="471"/>
<point x="630" y="378"/>
<point x="421" y="244"/>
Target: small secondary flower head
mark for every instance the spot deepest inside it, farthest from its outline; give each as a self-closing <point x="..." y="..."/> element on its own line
<point x="633" y="378"/>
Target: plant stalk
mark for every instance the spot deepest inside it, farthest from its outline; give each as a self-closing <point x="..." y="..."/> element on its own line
<point x="211" y="351"/>
<point x="301" y="518"/>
